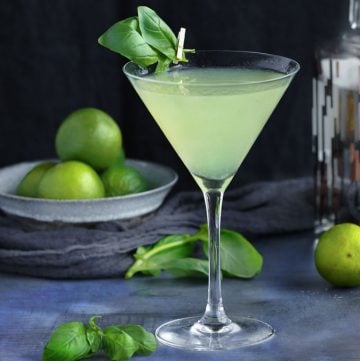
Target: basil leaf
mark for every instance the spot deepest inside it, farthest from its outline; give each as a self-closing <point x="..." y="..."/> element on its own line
<point x="144" y="266"/>
<point x="151" y="259"/>
<point x="94" y="340"/>
<point x="182" y="267"/>
<point x="124" y="37"/>
<point x="239" y="258"/>
<point x="172" y="254"/>
<point x="156" y="32"/>
<point x="92" y="323"/>
<point x="146" y="340"/>
<point x="93" y="334"/>
<point x="188" y="267"/>
<point x="172" y="247"/>
<point x="67" y="343"/>
<point x="163" y="64"/>
<point x="140" y="251"/>
<point x="118" y="345"/>
<point x="203" y="234"/>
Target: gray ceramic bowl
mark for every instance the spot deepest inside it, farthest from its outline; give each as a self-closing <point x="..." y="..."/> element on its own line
<point x="160" y="178"/>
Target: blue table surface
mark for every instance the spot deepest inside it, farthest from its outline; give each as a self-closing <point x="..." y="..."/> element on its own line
<point x="313" y="321"/>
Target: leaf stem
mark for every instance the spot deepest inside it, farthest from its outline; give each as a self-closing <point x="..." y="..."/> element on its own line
<point x="94" y="326"/>
<point x="187" y="239"/>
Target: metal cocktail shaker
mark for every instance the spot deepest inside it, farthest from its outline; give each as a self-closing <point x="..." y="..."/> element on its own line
<point x="336" y="127"/>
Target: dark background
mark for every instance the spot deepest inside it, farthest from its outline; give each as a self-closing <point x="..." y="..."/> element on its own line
<point x="51" y="64"/>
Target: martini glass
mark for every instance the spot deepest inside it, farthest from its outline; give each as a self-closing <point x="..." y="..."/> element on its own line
<point x="212" y="109"/>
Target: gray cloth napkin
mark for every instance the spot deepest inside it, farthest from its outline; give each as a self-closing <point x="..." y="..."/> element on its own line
<point x="104" y="249"/>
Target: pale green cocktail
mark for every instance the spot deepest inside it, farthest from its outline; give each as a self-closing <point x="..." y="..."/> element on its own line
<point x="211" y="110"/>
<point x="212" y="129"/>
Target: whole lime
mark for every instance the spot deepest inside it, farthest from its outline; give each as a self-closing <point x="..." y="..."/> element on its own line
<point x="337" y="255"/>
<point x="122" y="180"/>
<point x="28" y="187"/>
<point x="91" y="136"/>
<point x="120" y="159"/>
<point x="71" y="180"/>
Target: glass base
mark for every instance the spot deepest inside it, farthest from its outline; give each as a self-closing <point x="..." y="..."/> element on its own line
<point x="188" y="333"/>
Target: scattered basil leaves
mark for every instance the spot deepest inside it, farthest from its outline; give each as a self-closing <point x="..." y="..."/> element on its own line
<point x="94" y="340"/>
<point x="118" y="345"/>
<point x="151" y="260"/>
<point x="238" y="256"/>
<point x="68" y="343"/>
<point x="188" y="267"/>
<point x="146" y="342"/>
<point x="73" y="341"/>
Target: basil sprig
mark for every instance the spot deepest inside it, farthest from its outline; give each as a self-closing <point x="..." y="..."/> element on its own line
<point x="144" y="39"/>
<point x="175" y="254"/>
<point x="73" y="341"/>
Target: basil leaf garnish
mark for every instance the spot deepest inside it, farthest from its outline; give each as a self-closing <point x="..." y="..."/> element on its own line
<point x="163" y="64"/>
<point x="156" y="32"/>
<point x="144" y="39"/>
<point x="124" y="37"/>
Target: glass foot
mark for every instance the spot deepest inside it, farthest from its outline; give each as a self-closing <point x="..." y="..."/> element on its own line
<point x="188" y="333"/>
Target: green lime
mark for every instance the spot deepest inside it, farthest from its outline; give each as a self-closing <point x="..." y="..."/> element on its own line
<point x="120" y="159"/>
<point x="71" y="180"/>
<point x="91" y="136"/>
<point x="337" y="255"/>
<point x="28" y="187"/>
<point x="122" y="180"/>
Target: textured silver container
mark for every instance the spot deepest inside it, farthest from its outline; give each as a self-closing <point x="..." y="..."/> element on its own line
<point x="336" y="127"/>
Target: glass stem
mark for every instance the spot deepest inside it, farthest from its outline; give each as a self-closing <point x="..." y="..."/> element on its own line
<point x="214" y="317"/>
